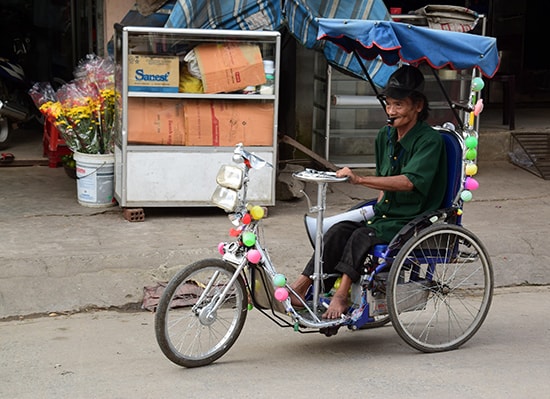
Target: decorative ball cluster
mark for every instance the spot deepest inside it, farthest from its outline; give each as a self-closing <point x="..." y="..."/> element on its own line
<point x="471" y="142"/>
<point x="247" y="238"/>
<point x="470" y="184"/>
<point x="281" y="293"/>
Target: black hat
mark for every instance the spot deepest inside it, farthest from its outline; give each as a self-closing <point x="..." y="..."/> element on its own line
<point x="403" y="82"/>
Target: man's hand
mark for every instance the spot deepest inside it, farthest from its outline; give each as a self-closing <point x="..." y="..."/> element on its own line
<point x="347" y="172"/>
<point x="384" y="183"/>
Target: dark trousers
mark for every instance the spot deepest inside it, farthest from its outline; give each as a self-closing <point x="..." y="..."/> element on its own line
<point x="345" y="250"/>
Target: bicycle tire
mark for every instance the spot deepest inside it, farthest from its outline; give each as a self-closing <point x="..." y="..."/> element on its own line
<point x="440" y="307"/>
<point x="186" y="332"/>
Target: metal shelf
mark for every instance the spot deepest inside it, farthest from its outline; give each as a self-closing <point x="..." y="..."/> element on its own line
<point x="162" y="175"/>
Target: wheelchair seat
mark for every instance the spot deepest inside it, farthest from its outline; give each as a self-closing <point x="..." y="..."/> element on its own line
<point x="454" y="147"/>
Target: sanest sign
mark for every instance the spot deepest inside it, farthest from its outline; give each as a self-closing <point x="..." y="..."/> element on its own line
<point x="141" y="76"/>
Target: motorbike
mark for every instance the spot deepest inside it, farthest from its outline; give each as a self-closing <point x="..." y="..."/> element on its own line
<point x="433" y="281"/>
<point x="16" y="106"/>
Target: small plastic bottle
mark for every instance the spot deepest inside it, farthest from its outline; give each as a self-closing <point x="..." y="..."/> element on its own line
<point x="269" y="86"/>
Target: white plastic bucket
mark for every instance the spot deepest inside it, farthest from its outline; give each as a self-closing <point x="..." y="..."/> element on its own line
<point x="95" y="179"/>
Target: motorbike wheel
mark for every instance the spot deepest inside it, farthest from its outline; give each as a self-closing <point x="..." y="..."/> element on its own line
<point x="4" y="133"/>
<point x="189" y="332"/>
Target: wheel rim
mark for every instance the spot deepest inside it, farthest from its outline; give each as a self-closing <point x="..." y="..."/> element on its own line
<point x="440" y="289"/>
<point x="4" y="130"/>
<point x="193" y="331"/>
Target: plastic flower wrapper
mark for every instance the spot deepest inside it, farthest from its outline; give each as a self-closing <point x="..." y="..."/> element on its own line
<point x="41" y="93"/>
<point x="80" y="111"/>
<point x="99" y="71"/>
<point x="45" y="99"/>
<point x="83" y="109"/>
<point x="95" y="79"/>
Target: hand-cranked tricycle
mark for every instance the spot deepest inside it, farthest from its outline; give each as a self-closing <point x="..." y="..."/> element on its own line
<point x="433" y="281"/>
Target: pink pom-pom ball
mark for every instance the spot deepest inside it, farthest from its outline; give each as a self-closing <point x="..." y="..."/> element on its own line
<point x="478" y="108"/>
<point x="281" y="294"/>
<point x="471" y="184"/>
<point x="221" y="245"/>
<point x="254" y="256"/>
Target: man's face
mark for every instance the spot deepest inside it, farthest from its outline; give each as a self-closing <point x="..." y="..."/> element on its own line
<point x="403" y="111"/>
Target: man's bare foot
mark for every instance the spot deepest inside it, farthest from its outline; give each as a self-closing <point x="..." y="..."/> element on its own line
<point x="338" y="306"/>
<point x="295" y="301"/>
<point x="300" y="286"/>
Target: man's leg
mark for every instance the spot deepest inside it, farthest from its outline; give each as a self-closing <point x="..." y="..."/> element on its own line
<point x="351" y="266"/>
<point x="301" y="286"/>
<point x="335" y="240"/>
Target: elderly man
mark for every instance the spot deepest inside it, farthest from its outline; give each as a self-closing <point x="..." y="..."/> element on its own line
<point x="410" y="174"/>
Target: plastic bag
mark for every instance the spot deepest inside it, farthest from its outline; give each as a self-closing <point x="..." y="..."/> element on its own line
<point x="193" y="64"/>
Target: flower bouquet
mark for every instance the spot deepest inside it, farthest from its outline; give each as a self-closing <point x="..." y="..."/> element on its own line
<point x="83" y="110"/>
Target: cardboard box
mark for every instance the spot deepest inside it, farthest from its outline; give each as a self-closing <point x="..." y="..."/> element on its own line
<point x="229" y="67"/>
<point x="156" y="121"/>
<point x="153" y="73"/>
<point x="227" y="123"/>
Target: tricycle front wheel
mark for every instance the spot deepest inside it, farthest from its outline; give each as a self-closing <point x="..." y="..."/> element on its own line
<point x="189" y="331"/>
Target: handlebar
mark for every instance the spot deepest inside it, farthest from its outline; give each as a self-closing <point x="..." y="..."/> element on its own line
<point x="250" y="160"/>
<point x="318" y="176"/>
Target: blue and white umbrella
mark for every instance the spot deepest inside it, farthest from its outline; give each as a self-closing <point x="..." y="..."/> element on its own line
<point x="396" y="42"/>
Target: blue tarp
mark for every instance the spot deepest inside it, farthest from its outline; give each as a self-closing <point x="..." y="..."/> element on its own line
<point x="363" y="24"/>
<point x="395" y="42"/>
<point x="224" y="14"/>
<point x="299" y="16"/>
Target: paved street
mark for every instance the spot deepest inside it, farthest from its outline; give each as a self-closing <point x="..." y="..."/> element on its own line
<point x="113" y="355"/>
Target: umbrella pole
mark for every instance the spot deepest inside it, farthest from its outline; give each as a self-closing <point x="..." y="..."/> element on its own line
<point x="366" y="72"/>
<point x="452" y="106"/>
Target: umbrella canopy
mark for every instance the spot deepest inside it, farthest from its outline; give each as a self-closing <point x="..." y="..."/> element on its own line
<point x="396" y="41"/>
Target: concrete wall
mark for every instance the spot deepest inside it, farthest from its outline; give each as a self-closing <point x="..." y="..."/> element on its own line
<point x="304" y="94"/>
<point x="114" y="11"/>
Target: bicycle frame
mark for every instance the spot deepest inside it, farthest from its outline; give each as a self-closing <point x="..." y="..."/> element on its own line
<point x="261" y="274"/>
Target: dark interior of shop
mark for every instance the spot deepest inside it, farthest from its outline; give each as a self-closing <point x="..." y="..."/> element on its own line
<point x="49" y="35"/>
<point x="48" y="38"/>
<point x="57" y="33"/>
<point x="518" y="27"/>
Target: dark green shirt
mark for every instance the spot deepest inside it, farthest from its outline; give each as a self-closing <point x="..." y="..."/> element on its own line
<point x="419" y="155"/>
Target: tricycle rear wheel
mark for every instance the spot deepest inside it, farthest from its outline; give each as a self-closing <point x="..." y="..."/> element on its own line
<point x="440" y="288"/>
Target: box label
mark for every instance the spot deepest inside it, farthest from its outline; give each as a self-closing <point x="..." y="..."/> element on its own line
<point x="153" y="73"/>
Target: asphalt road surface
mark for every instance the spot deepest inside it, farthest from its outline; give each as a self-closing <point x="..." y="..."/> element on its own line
<point x="106" y="354"/>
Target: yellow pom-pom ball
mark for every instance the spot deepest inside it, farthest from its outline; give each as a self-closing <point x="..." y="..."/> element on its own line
<point x="471" y="169"/>
<point x="257" y="212"/>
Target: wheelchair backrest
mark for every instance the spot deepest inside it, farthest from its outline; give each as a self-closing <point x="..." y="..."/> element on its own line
<point x="454" y="149"/>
